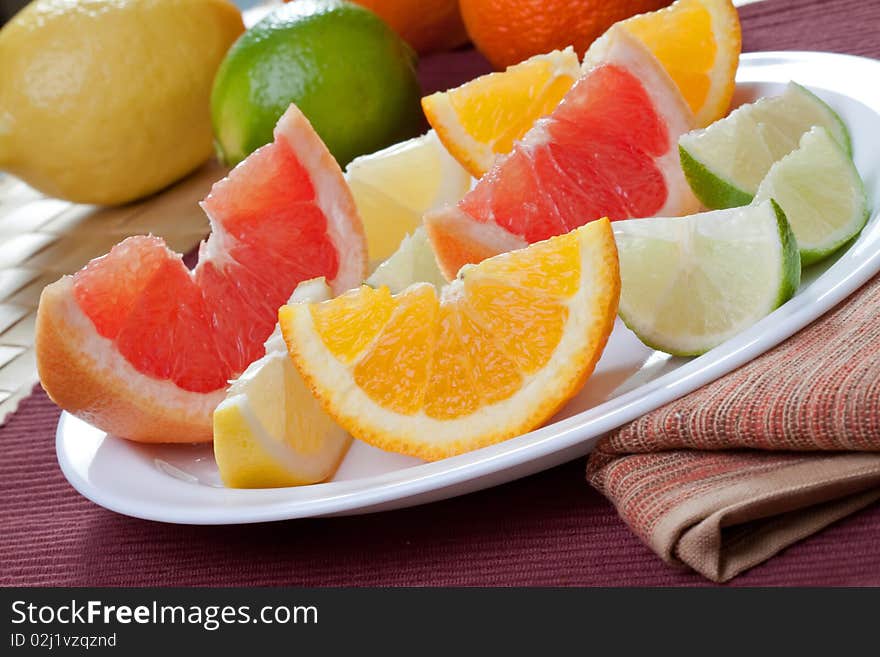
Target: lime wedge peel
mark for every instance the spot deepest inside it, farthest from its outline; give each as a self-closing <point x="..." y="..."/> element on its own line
<point x="820" y="190"/>
<point x="726" y="162"/>
<point x="690" y="283"/>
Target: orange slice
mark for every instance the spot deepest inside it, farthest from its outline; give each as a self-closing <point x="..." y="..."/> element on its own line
<point x="609" y="149"/>
<point x="492" y="355"/>
<point x="698" y="42"/>
<point x="482" y="118"/>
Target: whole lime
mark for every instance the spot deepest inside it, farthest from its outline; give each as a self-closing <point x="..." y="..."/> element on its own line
<point x="348" y="72"/>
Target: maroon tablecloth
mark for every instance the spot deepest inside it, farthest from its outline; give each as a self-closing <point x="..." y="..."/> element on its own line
<point x="549" y="529"/>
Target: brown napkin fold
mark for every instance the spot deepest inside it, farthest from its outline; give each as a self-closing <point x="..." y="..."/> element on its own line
<point x="729" y="475"/>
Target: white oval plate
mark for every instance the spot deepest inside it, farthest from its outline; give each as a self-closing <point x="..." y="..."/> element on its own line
<point x="180" y="483"/>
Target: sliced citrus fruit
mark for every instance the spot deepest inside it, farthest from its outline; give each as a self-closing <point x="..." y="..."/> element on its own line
<point x="698" y="42"/>
<point x="690" y="283"/>
<point x="494" y="355"/>
<point x="820" y="191"/>
<point x="726" y="162"/>
<point x="413" y="262"/>
<point x="609" y="149"/>
<point x="484" y="117"/>
<point x="394" y="187"/>
<point x="270" y="431"/>
<point x="142" y="348"/>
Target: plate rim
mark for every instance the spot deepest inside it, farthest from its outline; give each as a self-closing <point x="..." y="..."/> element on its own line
<point x="463" y="472"/>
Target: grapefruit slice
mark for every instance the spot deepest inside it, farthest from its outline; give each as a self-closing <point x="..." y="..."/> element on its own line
<point x="484" y="117"/>
<point x="609" y="149"/>
<point x="141" y="347"/>
<point x="698" y="42"/>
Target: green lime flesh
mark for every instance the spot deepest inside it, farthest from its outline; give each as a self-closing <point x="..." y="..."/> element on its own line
<point x="690" y="283"/>
<point x="821" y="192"/>
<point x="726" y="162"/>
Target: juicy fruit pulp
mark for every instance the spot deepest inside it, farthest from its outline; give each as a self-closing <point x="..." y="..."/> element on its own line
<point x="698" y="42"/>
<point x="394" y="187"/>
<point x="270" y="431"/>
<point x="271" y="230"/>
<point x="726" y="162"/>
<point x="493" y="356"/>
<point x="484" y="117"/>
<point x="690" y="283"/>
<point x="820" y="191"/>
<point x="607" y="150"/>
<point x="575" y="142"/>
<point x="413" y="262"/>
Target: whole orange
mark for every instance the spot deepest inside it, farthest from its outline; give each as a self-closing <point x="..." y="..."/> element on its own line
<point x="426" y="25"/>
<point x="509" y="31"/>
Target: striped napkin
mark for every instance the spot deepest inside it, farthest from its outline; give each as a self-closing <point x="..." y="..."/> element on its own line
<point x="729" y="475"/>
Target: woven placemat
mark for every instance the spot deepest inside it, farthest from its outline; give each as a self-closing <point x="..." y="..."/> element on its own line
<point x="42" y="238"/>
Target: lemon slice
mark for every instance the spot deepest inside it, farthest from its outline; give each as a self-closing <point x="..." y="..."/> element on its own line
<point x="394" y="187"/>
<point x="270" y="431"/>
<point x="413" y="262"/>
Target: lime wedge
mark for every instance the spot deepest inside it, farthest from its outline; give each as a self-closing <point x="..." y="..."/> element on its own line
<point x="726" y="162"/>
<point x="821" y="193"/>
<point x="690" y="283"/>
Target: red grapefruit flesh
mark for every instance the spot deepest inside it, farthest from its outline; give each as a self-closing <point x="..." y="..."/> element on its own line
<point x="142" y="347"/>
<point x="608" y="150"/>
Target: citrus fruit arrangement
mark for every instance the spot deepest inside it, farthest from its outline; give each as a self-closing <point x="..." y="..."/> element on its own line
<point x="484" y="117"/>
<point x="608" y="149"/>
<point x="454" y="289"/>
<point x="142" y="347"/>
<point x="495" y="354"/>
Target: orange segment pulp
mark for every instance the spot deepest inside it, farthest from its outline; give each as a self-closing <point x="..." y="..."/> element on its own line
<point x="609" y="149"/>
<point x="492" y="355"/>
<point x="698" y="42"/>
<point x="484" y="117"/>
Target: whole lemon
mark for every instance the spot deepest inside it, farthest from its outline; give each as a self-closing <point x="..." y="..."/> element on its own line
<point x="349" y="73"/>
<point x="106" y="101"/>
